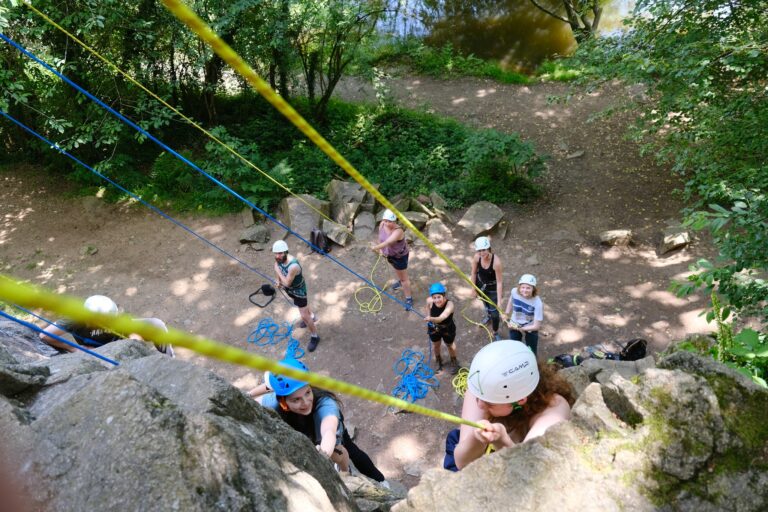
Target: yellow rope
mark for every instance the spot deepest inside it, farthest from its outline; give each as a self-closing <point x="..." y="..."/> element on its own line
<point x="72" y="307"/>
<point x="374" y="305"/>
<point x="228" y="55"/>
<point x="177" y="112"/>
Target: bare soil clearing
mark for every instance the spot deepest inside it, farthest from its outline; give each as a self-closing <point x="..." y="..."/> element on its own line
<point x="591" y="294"/>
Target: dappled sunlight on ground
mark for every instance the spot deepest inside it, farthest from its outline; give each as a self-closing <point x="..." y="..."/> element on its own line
<point x="482" y="93"/>
<point x="458" y="100"/>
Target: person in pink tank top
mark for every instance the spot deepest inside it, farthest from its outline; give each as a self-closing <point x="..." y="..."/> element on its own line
<point x="393" y="246"/>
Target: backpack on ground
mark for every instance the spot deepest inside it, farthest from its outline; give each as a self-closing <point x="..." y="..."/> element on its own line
<point x="634" y="350"/>
<point x="319" y="241"/>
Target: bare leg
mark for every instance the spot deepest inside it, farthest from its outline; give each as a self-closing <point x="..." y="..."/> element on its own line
<point x="306" y="315"/>
<point x="342" y="459"/>
<point x="402" y="276"/>
<point x="452" y="350"/>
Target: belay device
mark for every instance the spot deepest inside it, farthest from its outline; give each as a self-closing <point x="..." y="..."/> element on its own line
<point x="269" y="293"/>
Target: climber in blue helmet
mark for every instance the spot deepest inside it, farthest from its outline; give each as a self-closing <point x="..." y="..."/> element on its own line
<point x="440" y="325"/>
<point x="316" y="413"/>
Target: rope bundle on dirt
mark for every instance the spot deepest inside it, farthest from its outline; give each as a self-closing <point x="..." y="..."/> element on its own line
<point x="267" y="333"/>
<point x="416" y="378"/>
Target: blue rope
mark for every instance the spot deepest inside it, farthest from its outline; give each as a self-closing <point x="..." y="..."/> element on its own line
<point x="416" y="378"/>
<point x="267" y="333"/>
<point x="148" y="205"/>
<point x="195" y="167"/>
<point x="58" y="338"/>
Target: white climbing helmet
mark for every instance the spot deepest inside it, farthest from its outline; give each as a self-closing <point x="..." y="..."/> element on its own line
<point x="503" y="372"/>
<point x="280" y="246"/>
<point x="100" y="304"/>
<point x="482" y="242"/>
<point x="528" y="279"/>
<point x="388" y="215"/>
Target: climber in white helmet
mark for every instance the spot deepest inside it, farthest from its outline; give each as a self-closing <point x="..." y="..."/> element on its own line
<point x="514" y="397"/>
<point x="93" y="336"/>
<point x="291" y="278"/>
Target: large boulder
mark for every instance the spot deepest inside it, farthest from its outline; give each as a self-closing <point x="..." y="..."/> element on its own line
<point x="365" y="224"/>
<point x="297" y="215"/>
<point x="346" y="198"/>
<point x="156" y="433"/>
<point x="481" y="218"/>
<point x="689" y="435"/>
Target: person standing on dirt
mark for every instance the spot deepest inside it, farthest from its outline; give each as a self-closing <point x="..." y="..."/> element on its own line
<point x="394" y="247"/>
<point x="440" y="325"/>
<point x="513" y="396"/>
<point x="316" y="414"/>
<point x="291" y="279"/>
<point x="487" y="275"/>
<point x="527" y="312"/>
<point x="93" y="336"/>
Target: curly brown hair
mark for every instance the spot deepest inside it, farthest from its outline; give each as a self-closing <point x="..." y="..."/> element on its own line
<point x="550" y="383"/>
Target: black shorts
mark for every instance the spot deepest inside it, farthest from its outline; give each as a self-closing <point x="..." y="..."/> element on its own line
<point x="299" y="302"/>
<point x="400" y="263"/>
<point x="448" y="335"/>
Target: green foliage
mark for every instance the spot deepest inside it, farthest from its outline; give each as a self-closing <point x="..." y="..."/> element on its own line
<point x="705" y="65"/>
<point x="442" y="62"/>
<point x="559" y="70"/>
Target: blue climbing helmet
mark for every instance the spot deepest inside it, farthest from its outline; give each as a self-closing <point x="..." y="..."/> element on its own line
<point x="436" y="288"/>
<point x="283" y="385"/>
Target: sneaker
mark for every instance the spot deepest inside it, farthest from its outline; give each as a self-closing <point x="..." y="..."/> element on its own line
<point x="486" y="320"/>
<point x="455" y="366"/>
<point x="313" y="341"/>
<point x="409" y="303"/>
<point x="496" y="337"/>
<point x="397" y="285"/>
<point x="303" y="324"/>
<point x="438" y="365"/>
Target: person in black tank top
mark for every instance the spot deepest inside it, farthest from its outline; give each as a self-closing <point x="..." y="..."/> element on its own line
<point x="440" y="326"/>
<point x="487" y="275"/>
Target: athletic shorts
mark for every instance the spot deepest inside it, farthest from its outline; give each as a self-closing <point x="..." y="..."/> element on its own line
<point x="400" y="263"/>
<point x="299" y="302"/>
<point x="447" y="335"/>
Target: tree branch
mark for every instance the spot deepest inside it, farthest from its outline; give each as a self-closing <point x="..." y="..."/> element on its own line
<point x="551" y="13"/>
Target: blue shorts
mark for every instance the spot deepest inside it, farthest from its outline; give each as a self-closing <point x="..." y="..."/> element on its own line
<point x="400" y="263"/>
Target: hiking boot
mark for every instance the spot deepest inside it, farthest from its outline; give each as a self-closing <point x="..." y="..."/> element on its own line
<point x="455" y="366"/>
<point x="397" y="285"/>
<point x="313" y="341"/>
<point x="409" y="303"/>
<point x="303" y="324"/>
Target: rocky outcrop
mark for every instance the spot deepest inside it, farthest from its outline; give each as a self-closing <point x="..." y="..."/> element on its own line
<point x="153" y="433"/>
<point x="689" y="435"/>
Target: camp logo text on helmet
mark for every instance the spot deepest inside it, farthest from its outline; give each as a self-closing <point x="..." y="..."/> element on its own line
<point x="503" y="372"/>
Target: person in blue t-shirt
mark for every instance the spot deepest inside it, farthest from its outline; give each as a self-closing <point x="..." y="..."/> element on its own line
<point x="525" y="311"/>
<point x="317" y="414"/>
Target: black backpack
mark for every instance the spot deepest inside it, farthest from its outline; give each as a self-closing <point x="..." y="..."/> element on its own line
<point x="319" y="241"/>
<point x="634" y="350"/>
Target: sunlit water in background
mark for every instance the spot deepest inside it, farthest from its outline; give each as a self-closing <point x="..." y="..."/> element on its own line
<point x="514" y="32"/>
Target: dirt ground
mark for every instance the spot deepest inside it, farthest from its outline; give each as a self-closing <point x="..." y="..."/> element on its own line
<point x="591" y="294"/>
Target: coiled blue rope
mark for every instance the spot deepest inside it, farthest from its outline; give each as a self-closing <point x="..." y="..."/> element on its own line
<point x="268" y="332"/>
<point x="416" y="378"/>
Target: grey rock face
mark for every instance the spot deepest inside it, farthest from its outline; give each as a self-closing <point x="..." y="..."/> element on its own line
<point x="157" y="433"/>
<point x="690" y="435"/>
<point x="301" y="218"/>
